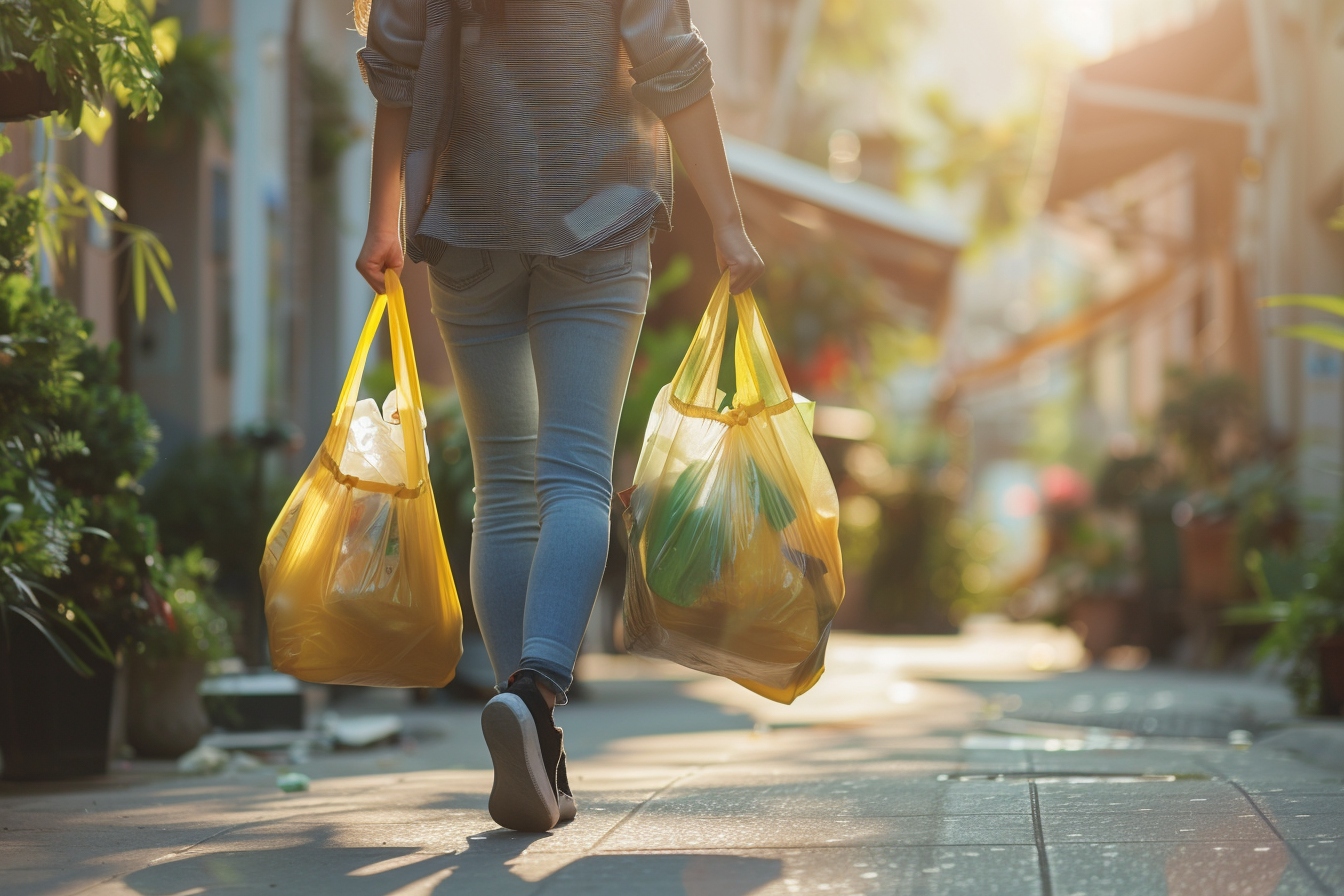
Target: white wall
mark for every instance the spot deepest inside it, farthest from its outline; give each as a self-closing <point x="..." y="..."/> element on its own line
<point x="259" y="188"/>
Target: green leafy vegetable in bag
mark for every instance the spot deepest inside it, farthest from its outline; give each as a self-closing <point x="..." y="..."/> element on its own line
<point x="685" y="544"/>
<point x="770" y="500"/>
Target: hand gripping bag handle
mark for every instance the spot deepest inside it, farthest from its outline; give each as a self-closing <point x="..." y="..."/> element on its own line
<point x="761" y="385"/>
<point x="408" y="397"/>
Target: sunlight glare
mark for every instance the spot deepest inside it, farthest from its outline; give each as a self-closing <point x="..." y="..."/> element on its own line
<point x="1087" y="24"/>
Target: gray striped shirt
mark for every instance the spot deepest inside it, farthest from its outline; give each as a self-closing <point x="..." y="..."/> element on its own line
<point x="556" y="144"/>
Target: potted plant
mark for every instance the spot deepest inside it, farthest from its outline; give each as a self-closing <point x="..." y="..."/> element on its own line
<point x="164" y="715"/>
<point x="1209" y="421"/>
<point x="1306" y="634"/>
<point x="75" y="550"/>
<point x="56" y="668"/>
<point x="64" y="56"/>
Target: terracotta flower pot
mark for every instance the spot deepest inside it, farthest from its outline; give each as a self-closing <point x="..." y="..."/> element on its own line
<point x="164" y="715"/>
<point x="1101" y="621"/>
<point x="1209" y="573"/>
<point x="1332" y="675"/>
<point x="24" y="94"/>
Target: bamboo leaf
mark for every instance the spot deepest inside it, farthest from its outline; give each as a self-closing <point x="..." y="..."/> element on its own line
<point x="156" y="271"/>
<point x="1321" y="334"/>
<point x="1329" y="304"/>
<point x="138" y="280"/>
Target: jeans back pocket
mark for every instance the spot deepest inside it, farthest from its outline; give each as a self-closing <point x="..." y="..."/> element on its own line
<point x="460" y="268"/>
<point x="596" y="265"/>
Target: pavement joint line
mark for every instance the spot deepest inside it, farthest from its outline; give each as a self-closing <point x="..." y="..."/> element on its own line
<point x="1297" y="856"/>
<point x="1047" y="888"/>
<point x="639" y="808"/>
<point x="153" y="862"/>
<point x="811" y="847"/>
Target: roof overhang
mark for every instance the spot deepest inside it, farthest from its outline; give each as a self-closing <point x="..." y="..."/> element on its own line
<point x="1196" y="90"/>
<point x="788" y="202"/>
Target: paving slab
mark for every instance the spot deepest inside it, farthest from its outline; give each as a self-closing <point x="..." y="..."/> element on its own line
<point x="695" y="787"/>
<point x="1238" y="868"/>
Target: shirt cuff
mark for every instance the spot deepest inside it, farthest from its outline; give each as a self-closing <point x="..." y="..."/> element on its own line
<point x="675" y="79"/>
<point x="392" y="85"/>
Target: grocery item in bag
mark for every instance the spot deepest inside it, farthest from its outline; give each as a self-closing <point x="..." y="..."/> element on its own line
<point x="357" y="584"/>
<point x="734" y="564"/>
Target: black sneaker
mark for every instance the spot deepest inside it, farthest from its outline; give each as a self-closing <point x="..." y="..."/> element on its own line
<point x="564" y="797"/>
<point x="525" y="747"/>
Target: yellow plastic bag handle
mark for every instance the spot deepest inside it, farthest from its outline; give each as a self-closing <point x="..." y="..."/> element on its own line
<point x="409" y="400"/>
<point x="761" y="385"/>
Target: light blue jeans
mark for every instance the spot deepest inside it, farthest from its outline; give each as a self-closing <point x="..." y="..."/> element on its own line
<point x="541" y="349"/>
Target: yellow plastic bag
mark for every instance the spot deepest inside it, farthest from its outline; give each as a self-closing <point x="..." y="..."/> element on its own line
<point x="357" y="584"/>
<point x="734" y="564"/>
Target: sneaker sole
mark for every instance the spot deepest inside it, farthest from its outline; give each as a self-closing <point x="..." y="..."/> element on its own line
<point x="568" y="807"/>
<point x="521" y="798"/>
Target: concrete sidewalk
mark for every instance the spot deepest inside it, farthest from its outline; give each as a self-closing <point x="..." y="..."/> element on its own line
<point x="876" y="782"/>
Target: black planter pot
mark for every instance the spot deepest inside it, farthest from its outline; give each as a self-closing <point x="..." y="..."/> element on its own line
<point x="53" y="723"/>
<point x="24" y="94"/>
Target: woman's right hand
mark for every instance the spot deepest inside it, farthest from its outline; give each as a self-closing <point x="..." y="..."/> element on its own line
<point x="738" y="257"/>
<point x="381" y="251"/>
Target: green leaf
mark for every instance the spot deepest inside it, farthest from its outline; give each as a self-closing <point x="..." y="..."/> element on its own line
<point x="156" y="263"/>
<point x="1321" y="334"/>
<point x="1330" y="304"/>
<point x="94" y="122"/>
<point x="80" y="667"/>
<point x="138" y="291"/>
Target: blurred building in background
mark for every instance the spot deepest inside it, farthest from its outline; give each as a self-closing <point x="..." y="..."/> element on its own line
<point x="993" y="230"/>
<point x="1194" y="171"/>
<point x="260" y="208"/>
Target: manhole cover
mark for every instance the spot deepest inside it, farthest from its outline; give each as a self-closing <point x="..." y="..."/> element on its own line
<point x="1073" y="778"/>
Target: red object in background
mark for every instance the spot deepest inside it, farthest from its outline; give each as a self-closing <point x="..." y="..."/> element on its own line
<point x="823" y="371"/>
<point x="160" y="607"/>
<point x="1063" y="486"/>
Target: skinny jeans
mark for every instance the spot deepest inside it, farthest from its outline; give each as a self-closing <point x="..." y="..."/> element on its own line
<point x="541" y="349"/>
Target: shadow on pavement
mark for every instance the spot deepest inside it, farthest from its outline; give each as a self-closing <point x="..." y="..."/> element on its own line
<point x="317" y="868"/>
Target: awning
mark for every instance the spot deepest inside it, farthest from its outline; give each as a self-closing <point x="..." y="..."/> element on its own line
<point x="1194" y="90"/>
<point x="787" y="202"/>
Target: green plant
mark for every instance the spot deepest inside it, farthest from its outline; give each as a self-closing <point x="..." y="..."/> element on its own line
<point x="196" y="627"/>
<point x="1330" y="335"/>
<point x="1212" y="420"/>
<point x="1312" y="611"/>
<point x="19" y="214"/>
<point x="994" y="159"/>
<point x="88" y="48"/>
<point x="205" y="495"/>
<point x="109" y="577"/>
<point x="70" y="203"/>
<point x="833" y="323"/>
<point x="195" y="88"/>
<point x="75" y="548"/>
<point x="41" y="339"/>
<point x="333" y="127"/>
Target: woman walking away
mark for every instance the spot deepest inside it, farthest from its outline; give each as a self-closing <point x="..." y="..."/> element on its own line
<point x="521" y="150"/>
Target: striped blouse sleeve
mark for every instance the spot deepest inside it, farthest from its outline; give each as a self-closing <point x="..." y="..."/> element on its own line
<point x="670" y="61"/>
<point x="391" y="53"/>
